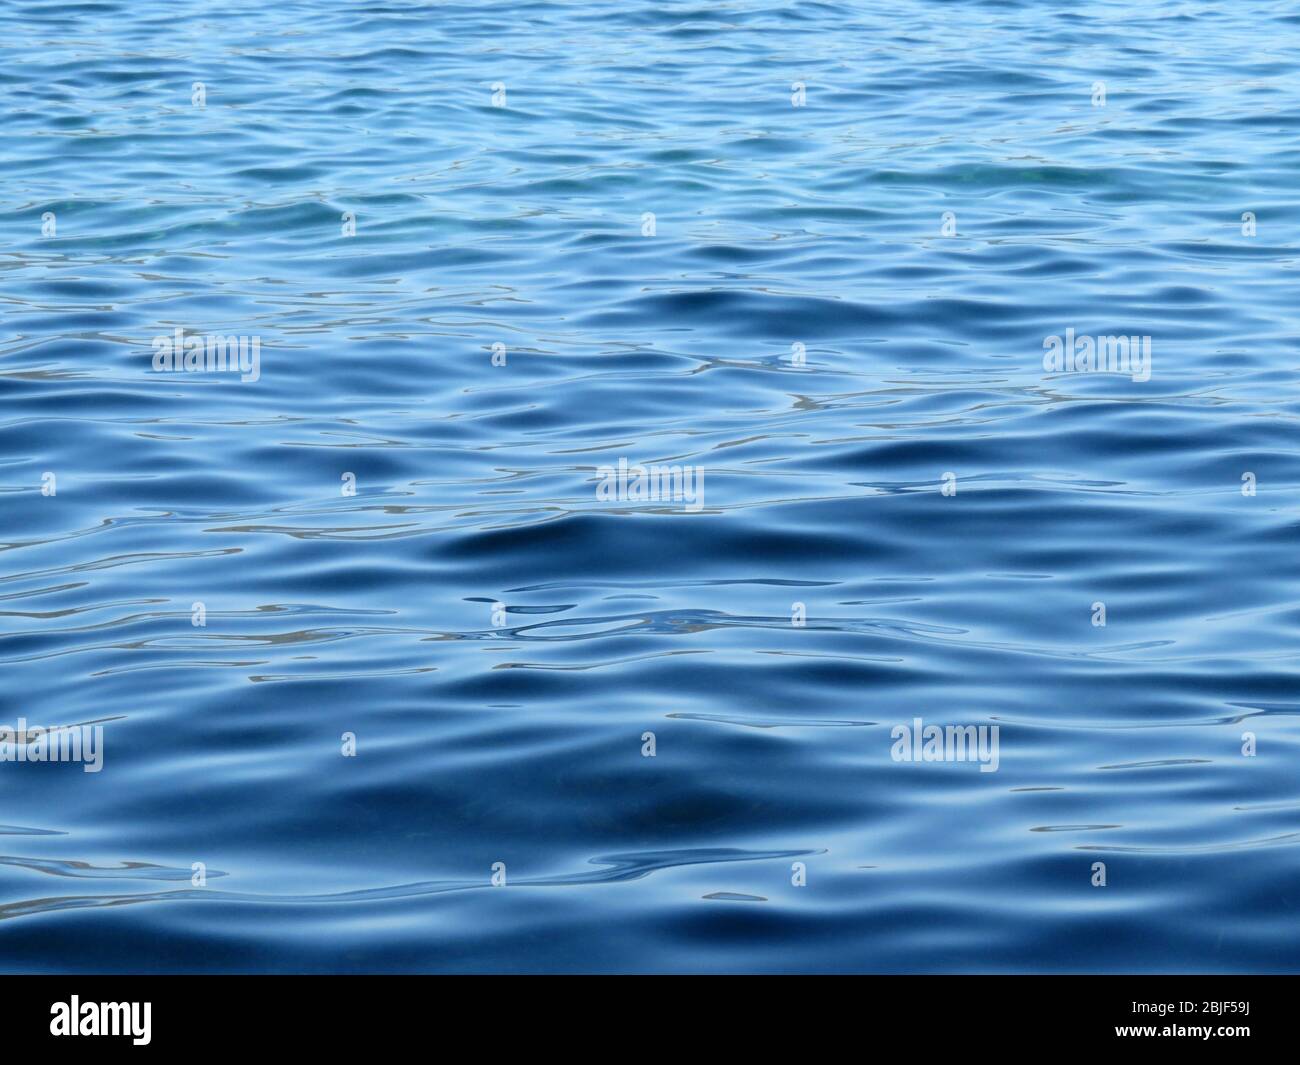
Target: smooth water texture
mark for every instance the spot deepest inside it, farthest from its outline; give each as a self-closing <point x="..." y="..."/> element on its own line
<point x="499" y="162"/>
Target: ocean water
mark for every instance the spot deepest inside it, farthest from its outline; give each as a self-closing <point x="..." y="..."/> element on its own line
<point x="375" y="632"/>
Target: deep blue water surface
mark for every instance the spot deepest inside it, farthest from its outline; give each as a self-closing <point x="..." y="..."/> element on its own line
<point x="518" y="738"/>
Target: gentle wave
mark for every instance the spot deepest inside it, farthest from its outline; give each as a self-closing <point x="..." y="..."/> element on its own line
<point x="703" y="237"/>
